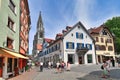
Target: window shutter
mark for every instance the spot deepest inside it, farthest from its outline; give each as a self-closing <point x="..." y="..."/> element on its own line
<point x="82" y="35"/>
<point x="66" y="45"/>
<point x="73" y="45"/>
<point x="82" y="45"/>
<point x="76" y="34"/>
<point x="77" y="45"/>
<point x="86" y="46"/>
<point x="90" y="46"/>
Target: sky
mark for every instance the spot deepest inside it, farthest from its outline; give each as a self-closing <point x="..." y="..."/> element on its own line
<point x="57" y="14"/>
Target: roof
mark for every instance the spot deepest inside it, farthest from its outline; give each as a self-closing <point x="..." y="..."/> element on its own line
<point x="79" y="23"/>
<point x="59" y="34"/>
<point x="99" y="29"/>
<point x="96" y="30"/>
<point x="48" y="40"/>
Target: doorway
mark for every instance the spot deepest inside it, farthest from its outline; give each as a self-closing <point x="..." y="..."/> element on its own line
<point x="1" y="66"/>
<point x="71" y="58"/>
<point x="80" y="59"/>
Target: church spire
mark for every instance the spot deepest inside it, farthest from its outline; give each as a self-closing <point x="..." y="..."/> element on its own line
<point x="40" y="23"/>
<point x="40" y="18"/>
<point x="40" y="28"/>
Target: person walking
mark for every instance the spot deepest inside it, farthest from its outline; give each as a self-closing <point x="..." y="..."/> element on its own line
<point x="106" y="70"/>
<point x="41" y="66"/>
<point x="58" y="66"/>
<point x="68" y="66"/>
<point x="113" y="62"/>
<point x="62" y="66"/>
<point x="118" y="60"/>
<point x="49" y="65"/>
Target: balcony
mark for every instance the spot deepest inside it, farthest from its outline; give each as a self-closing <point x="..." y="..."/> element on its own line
<point x="82" y="50"/>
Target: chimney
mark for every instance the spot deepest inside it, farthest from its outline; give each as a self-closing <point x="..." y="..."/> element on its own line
<point x="68" y="28"/>
<point x="64" y="31"/>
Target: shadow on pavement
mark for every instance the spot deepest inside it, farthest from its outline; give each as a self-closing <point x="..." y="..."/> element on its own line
<point x="96" y="75"/>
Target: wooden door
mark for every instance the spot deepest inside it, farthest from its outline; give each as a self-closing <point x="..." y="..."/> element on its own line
<point x="80" y="59"/>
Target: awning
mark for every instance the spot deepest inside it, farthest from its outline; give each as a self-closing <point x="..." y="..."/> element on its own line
<point x="13" y="54"/>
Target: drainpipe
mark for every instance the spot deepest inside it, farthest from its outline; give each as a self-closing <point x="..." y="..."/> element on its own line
<point x="95" y="53"/>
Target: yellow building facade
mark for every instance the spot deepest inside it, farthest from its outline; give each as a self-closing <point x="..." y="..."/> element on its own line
<point x="104" y="43"/>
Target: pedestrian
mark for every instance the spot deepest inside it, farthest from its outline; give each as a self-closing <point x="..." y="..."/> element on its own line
<point x="113" y="62"/>
<point x="105" y="70"/>
<point x="108" y="61"/>
<point x="68" y="66"/>
<point x="41" y="66"/>
<point x="62" y="66"/>
<point x="118" y="60"/>
<point x="58" y="66"/>
<point x="49" y="65"/>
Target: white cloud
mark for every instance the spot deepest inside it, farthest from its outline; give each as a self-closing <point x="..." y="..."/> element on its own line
<point x="82" y="11"/>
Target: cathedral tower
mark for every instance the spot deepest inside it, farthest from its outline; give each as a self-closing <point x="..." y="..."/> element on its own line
<point x="38" y="38"/>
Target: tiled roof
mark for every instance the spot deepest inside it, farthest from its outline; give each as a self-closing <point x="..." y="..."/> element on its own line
<point x="59" y="34"/>
<point x="48" y="40"/>
<point x="96" y="30"/>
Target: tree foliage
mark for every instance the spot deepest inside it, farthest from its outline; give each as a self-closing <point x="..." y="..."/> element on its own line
<point x="114" y="26"/>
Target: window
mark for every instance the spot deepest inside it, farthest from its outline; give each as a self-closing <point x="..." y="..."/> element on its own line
<point x="97" y="47"/>
<point x="79" y="35"/>
<point x="72" y="34"/>
<point x="12" y="6"/>
<point x="104" y="32"/>
<point x="89" y="58"/>
<point x="97" y="40"/>
<point x="15" y="63"/>
<point x="110" y="48"/>
<point x="103" y="47"/>
<point x="58" y="46"/>
<point x="80" y="45"/>
<point x="0" y="3"/>
<point x="69" y="45"/>
<point x="9" y="43"/>
<point x="41" y="35"/>
<point x="9" y="65"/>
<point x="109" y="40"/>
<point x="78" y="27"/>
<point x="10" y="24"/>
<point x="89" y="46"/>
<point x="102" y="40"/>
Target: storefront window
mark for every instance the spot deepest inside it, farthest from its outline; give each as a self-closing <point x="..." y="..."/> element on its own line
<point x="71" y="58"/>
<point x="89" y="58"/>
<point x="15" y="63"/>
<point x="9" y="65"/>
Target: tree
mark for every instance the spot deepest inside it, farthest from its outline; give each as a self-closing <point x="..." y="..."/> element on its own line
<point x="114" y="26"/>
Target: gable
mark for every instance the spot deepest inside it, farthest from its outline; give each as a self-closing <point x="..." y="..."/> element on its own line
<point x="105" y="32"/>
<point x="78" y="28"/>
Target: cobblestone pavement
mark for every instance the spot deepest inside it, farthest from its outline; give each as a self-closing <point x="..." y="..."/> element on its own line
<point x="82" y="72"/>
<point x="28" y="75"/>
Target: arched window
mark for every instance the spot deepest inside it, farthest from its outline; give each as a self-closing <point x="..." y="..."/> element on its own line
<point x="103" y="47"/>
<point x="110" y="48"/>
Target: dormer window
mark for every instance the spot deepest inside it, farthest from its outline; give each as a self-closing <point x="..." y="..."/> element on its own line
<point x="78" y="27"/>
